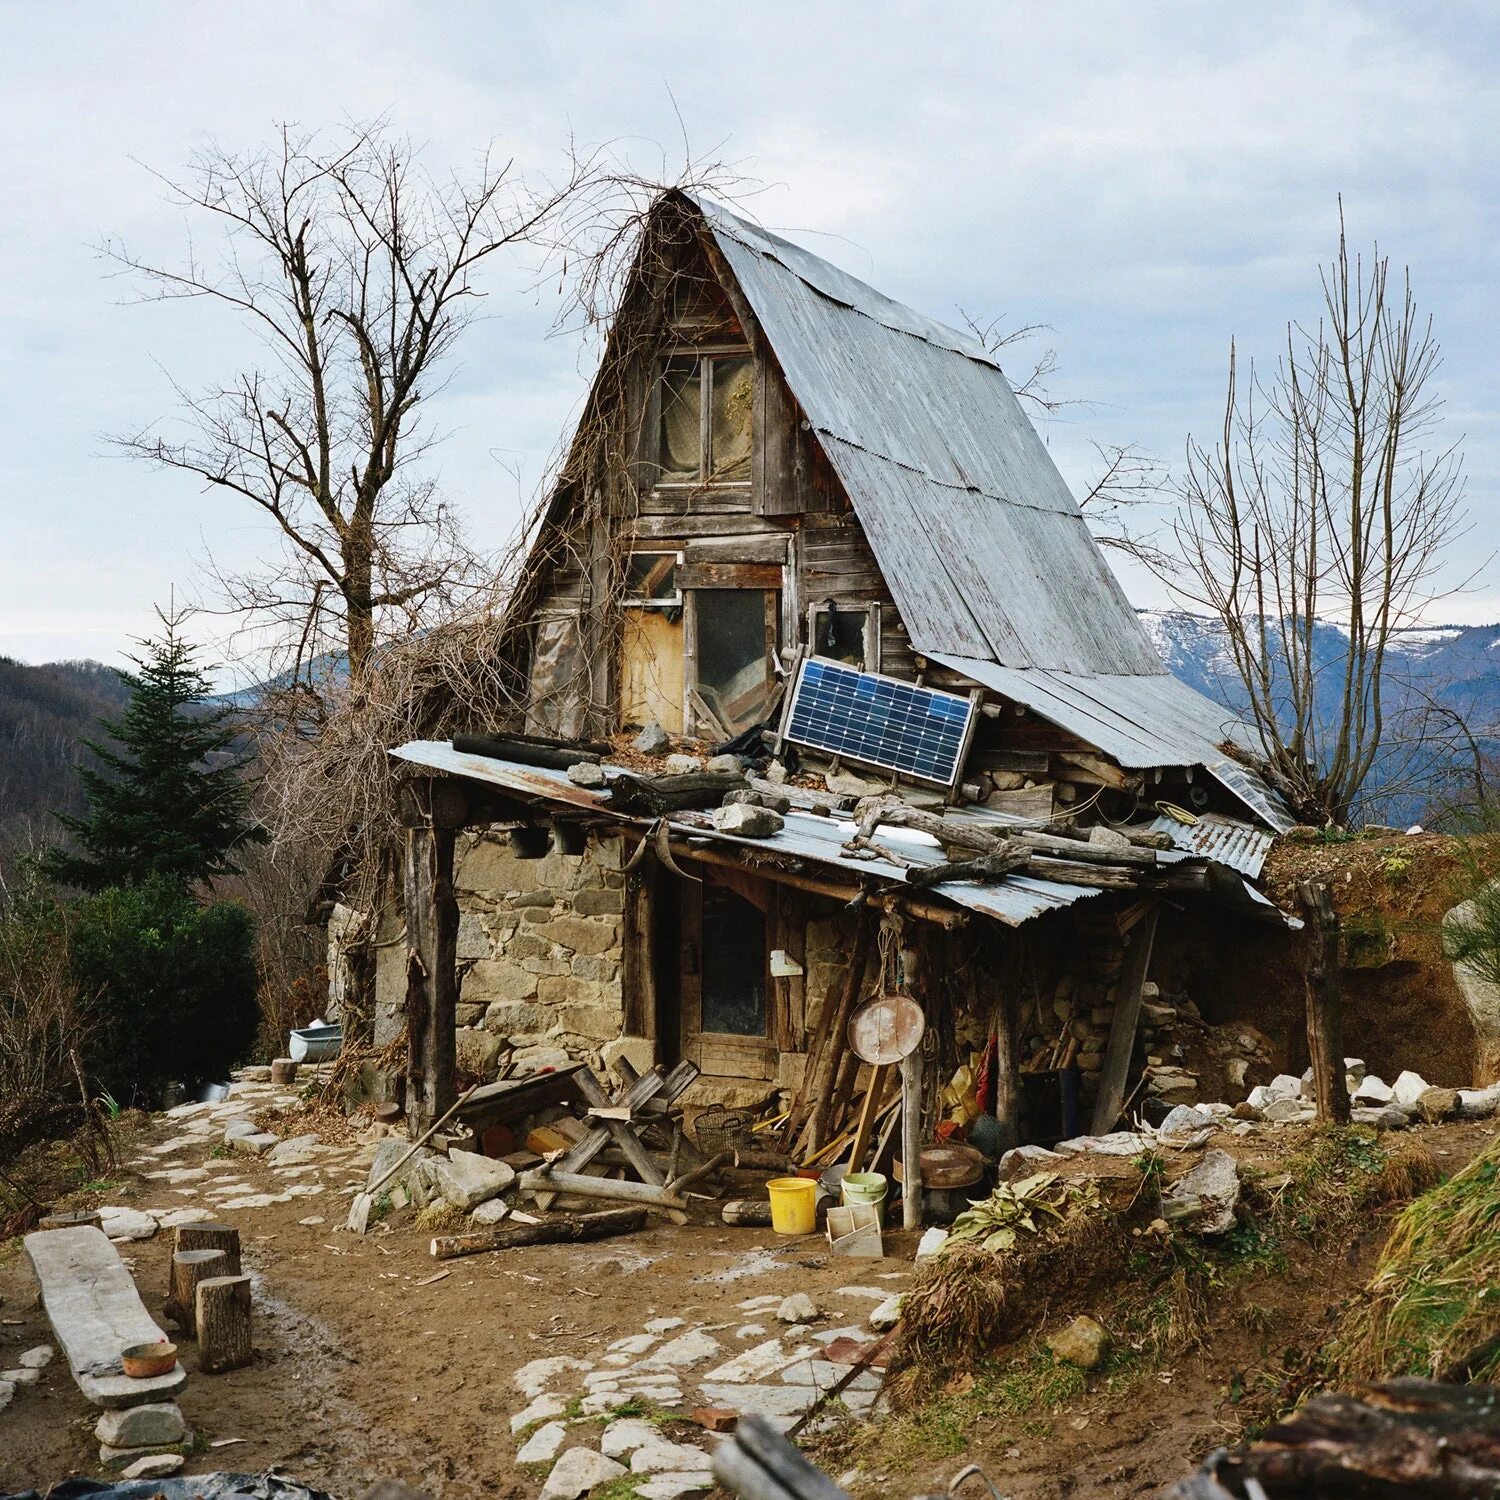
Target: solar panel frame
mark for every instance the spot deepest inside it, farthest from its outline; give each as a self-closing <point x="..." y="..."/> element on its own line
<point x="892" y="725"/>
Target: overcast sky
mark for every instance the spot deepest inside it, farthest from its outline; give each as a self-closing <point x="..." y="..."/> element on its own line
<point x="1147" y="179"/>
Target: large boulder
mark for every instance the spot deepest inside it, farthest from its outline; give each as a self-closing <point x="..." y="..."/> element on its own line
<point x="1203" y="1201"/>
<point x="1408" y="1088"/>
<point x="466" y="1179"/>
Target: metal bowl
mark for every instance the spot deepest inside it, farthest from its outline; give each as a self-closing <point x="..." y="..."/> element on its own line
<point x="147" y="1361"/>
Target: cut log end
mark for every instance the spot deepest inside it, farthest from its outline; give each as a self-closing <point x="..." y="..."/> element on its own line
<point x="222" y="1314"/>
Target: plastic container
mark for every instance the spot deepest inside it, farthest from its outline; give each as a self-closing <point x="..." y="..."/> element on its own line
<point x="863" y="1187"/>
<point x="793" y="1204"/>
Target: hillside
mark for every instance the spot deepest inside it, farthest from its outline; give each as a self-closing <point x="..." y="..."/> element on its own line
<point x="46" y="713"/>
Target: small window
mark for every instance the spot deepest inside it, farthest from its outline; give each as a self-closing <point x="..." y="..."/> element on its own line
<point x="847" y="633"/>
<point x="707" y="403"/>
<point x="736" y="652"/>
<point x="651" y="580"/>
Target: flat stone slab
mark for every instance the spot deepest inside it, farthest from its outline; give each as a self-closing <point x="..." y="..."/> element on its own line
<point x="96" y="1312"/>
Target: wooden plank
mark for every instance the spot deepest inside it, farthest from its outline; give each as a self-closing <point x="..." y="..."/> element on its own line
<point x="1121" y="1044"/>
<point x="623" y="1133"/>
<point x="728" y="575"/>
<point x="638" y="996"/>
<point x="768" y="549"/>
<point x="873" y="1096"/>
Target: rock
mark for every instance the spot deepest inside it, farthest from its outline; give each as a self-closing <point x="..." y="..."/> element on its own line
<point x="491" y="1212"/>
<point x="388" y="1153"/>
<point x="298" y="1151"/>
<point x="528" y="1060"/>
<point x="159" y="1422"/>
<point x="586" y="773"/>
<point x="677" y="1484"/>
<point x="477" y="1051"/>
<point x="1479" y="1104"/>
<point x="466" y="1179"/>
<point x="666" y="1325"/>
<point x="747" y="822"/>
<point x="623" y="1436"/>
<point x="1203" y="1201"/>
<point x="1116" y="1143"/>
<point x="797" y="1308"/>
<point x="240" y="1125"/>
<point x="7" y="1392"/>
<point x="1245" y="1111"/>
<point x="888" y="1313"/>
<point x="546" y="1406"/>
<point x="653" y="740"/>
<point x="1382" y="1117"/>
<point x="1437" y="1104"/>
<point x="20" y="1377"/>
<point x="757" y="1363"/>
<point x="638" y="1051"/>
<point x="578" y="1471"/>
<point x="686" y="1349"/>
<point x="1282" y="1086"/>
<point x="1408" y="1088"/>
<point x="254" y="1145"/>
<point x="1082" y="1343"/>
<point x="532" y="1379"/>
<point x="1019" y="1160"/>
<point x="1372" y="1091"/>
<point x="725" y="765"/>
<point x="1288" y="1111"/>
<point x="683" y="765"/>
<point x="38" y="1358"/>
<point x="1354" y="1072"/>
<point x="128" y="1223"/>
<point x="541" y="1447"/>
<point x="156" y="1466"/>
<point x="662" y="1457"/>
<point x="1184" y="1119"/>
<point x="1259" y="1097"/>
<point x="931" y="1243"/>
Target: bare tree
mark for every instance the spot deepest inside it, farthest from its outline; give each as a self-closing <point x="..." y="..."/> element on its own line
<point x="1323" y="500"/>
<point x="357" y="269"/>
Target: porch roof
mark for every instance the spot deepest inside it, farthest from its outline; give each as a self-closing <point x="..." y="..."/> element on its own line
<point x="814" y="838"/>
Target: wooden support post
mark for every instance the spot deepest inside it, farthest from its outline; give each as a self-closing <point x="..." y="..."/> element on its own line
<point x="432" y="810"/>
<point x="189" y="1267"/>
<point x="1007" y="1072"/>
<point x="914" y="973"/>
<point x="211" y="1236"/>
<point x="822" y="1069"/>
<point x="222" y="1314"/>
<point x="1122" y="1030"/>
<point x="1325" y="1005"/>
<point x="874" y="1095"/>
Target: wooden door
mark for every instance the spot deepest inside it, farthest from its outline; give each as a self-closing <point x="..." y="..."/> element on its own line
<point x="651" y="668"/>
<point x="725" y="1018"/>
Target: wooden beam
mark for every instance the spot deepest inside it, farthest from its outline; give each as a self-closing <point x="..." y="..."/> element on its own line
<point x="1121" y="1044"/>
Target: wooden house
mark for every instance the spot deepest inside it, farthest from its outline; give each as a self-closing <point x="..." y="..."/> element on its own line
<point x="777" y="467"/>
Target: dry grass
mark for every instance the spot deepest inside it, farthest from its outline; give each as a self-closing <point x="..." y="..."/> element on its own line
<point x="1433" y="1307"/>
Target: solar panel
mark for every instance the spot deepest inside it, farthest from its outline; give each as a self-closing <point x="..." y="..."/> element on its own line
<point x="879" y="720"/>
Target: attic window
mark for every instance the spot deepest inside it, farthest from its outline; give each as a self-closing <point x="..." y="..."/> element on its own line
<point x="651" y="580"/>
<point x="706" y="402"/>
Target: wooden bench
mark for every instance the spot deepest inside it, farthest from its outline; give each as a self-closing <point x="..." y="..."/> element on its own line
<point x="96" y="1313"/>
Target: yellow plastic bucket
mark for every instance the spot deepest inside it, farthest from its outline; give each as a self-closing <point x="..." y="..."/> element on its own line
<point x="793" y="1204"/>
<point x="863" y="1187"/>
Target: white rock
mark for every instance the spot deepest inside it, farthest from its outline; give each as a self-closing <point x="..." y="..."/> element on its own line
<point x="662" y="1457"/>
<point x="750" y="1331"/>
<point x="1355" y="1070"/>
<point x="7" y="1391"/>
<point x="666" y="1325"/>
<point x="1018" y="1157"/>
<point x="38" y="1358"/>
<point x="797" y="1308"/>
<point x="636" y="1343"/>
<point x="546" y="1406"/>
<point x="176" y="1216"/>
<point x="764" y="1400"/>
<point x="20" y="1377"/>
<point x="1408" y="1088"/>
<point x="621" y="1438"/>
<point x="931" y="1243"/>
<point x="577" y="1472"/>
<point x="1282" y="1086"/>
<point x="1203" y="1201"/>
<point x="534" y="1378"/>
<point x="1259" y="1096"/>
<point x="1372" y="1090"/>
<point x="1479" y="1104"/>
<point x="1185" y="1119"/>
<point x="467" y="1179"/>
<point x="683" y="765"/>
<point x="240" y="1125"/>
<point x="686" y="1349"/>
<point x="254" y="1144"/>
<point x="127" y="1223"/>
<point x="888" y="1314"/>
<point x="746" y="821"/>
<point x="491" y="1211"/>
<point x="1288" y="1112"/>
<point x="1382" y="1117"/>
<point x="1116" y="1143"/>
<point x="157" y="1422"/>
<point x="299" y="1151"/>
<point x="757" y="1363"/>
<point x="542" y="1446"/>
<point x="154" y="1466"/>
<point x="676" y="1485"/>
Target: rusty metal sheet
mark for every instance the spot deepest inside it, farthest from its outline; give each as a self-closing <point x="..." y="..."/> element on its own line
<point x="1228" y="841"/>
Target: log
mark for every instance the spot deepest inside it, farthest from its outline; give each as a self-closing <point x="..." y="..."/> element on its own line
<point x="1325" y="1021"/>
<point x="599" y="1187"/>
<point x="189" y="1267"/>
<point x="211" y="1236"/>
<point x="1084" y="852"/>
<point x="563" y="1229"/>
<point x="747" y="1213"/>
<point x="914" y="968"/>
<point x="655" y="795"/>
<point x="984" y="870"/>
<point x="523" y="752"/>
<point x="222" y="1314"/>
<point x="822" y="1069"/>
<point x="696" y="1174"/>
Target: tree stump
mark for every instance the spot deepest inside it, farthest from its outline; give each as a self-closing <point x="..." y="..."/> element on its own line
<point x="283" y="1071"/>
<point x="222" y="1313"/>
<point x="189" y="1267"/>
<point x="212" y="1236"/>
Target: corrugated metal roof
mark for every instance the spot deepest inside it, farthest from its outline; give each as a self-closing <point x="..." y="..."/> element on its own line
<point x="1228" y="841"/>
<point x="1140" y="721"/>
<point x="981" y="542"/>
<point x="807" y="836"/>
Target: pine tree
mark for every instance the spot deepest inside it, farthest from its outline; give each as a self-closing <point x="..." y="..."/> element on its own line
<point x="171" y="802"/>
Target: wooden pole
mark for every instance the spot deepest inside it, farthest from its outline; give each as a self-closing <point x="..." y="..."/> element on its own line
<point x="222" y="1314"/>
<point x="833" y="1033"/>
<point x="189" y="1267"/>
<point x="432" y="810"/>
<point x="1007" y="1072"/>
<point x="914" y="972"/>
<point x="599" y="1187"/>
<point x="1122" y="1029"/>
<point x="1325" y="1005"/>
<point x="562" y="1229"/>
<point x="872" y="1100"/>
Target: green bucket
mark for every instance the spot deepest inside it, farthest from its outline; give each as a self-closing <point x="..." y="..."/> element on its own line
<point x="863" y="1187"/>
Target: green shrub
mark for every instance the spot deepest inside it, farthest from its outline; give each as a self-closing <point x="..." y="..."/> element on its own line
<point x="171" y="983"/>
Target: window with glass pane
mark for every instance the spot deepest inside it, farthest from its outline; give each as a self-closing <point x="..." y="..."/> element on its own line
<point x="735" y="646"/>
<point x="729" y="410"/>
<point x="718" y="449"/>
<point x="651" y="578"/>
<point x="734" y="964"/>
<point x="681" y="420"/>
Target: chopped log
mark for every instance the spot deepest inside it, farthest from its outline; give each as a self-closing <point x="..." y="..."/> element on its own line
<point x="523" y="752"/>
<point x="647" y="1193"/>
<point x="284" y="1071"/>
<point x="1325" y="1022"/>
<point x="1084" y="851"/>
<point x="655" y="795"/>
<point x="189" y="1267"/>
<point x="563" y="1229"/>
<point x="696" y="1174"/>
<point x="752" y="1160"/>
<point x="222" y="1314"/>
<point x="87" y="1218"/>
<point x="211" y="1236"/>
<point x="747" y="1213"/>
<point x="871" y="812"/>
<point x="985" y="869"/>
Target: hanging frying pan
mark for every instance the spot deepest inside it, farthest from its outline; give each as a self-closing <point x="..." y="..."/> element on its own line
<point x="886" y="1029"/>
